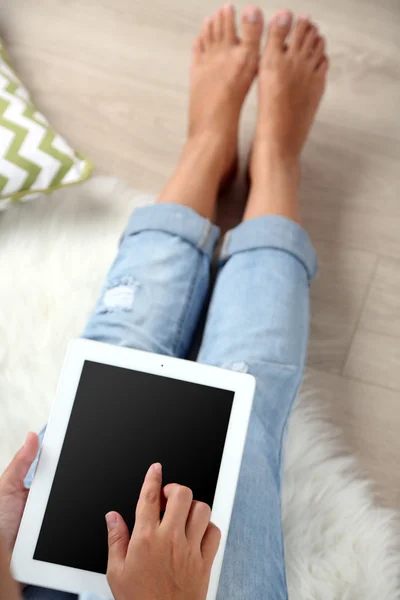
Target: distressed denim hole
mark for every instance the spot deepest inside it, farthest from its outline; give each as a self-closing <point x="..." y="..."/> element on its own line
<point x="120" y="297"/>
<point x="240" y="367"/>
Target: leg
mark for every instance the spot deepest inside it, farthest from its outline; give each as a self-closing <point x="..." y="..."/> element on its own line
<point x="258" y="323"/>
<point x="153" y="296"/>
<point x="223" y="70"/>
<point x="157" y="285"/>
<point x="259" y="318"/>
<point x="158" y="282"/>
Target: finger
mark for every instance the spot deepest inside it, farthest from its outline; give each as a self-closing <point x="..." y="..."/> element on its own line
<point x="13" y="477"/>
<point x="197" y="523"/>
<point x="149" y="505"/>
<point x="118" y="541"/>
<point x="179" y="501"/>
<point x="210" y="543"/>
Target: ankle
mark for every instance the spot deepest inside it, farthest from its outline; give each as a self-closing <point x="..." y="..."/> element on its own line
<point x="274" y="186"/>
<point x="197" y="177"/>
<point x="207" y="149"/>
<point x="273" y="202"/>
<point x="267" y="157"/>
<point x="207" y="139"/>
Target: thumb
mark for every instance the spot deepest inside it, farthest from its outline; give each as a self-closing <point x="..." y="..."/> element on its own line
<point x="118" y="541"/>
<point x="13" y="477"/>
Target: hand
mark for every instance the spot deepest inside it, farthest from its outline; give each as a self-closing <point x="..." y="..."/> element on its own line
<point x="8" y="587"/>
<point x="13" y="493"/>
<point x="164" y="559"/>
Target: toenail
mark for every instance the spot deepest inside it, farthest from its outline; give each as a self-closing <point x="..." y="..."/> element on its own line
<point x="283" y="20"/>
<point x="253" y="15"/>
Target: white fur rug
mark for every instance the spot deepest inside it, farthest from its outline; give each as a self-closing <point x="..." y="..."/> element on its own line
<point x="54" y="254"/>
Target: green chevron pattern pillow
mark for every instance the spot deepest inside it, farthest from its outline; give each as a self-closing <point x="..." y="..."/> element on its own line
<point x="33" y="158"/>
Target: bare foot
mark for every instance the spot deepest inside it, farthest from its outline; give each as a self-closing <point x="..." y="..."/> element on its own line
<point x="223" y="69"/>
<point x="292" y="78"/>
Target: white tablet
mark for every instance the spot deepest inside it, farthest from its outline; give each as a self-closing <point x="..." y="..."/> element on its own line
<point x="116" y="412"/>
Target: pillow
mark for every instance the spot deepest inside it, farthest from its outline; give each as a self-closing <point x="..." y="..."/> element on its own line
<point x="33" y="158"/>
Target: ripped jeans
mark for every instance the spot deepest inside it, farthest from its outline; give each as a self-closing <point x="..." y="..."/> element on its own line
<point x="257" y="322"/>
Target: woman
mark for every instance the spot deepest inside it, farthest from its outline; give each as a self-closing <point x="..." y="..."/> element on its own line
<point x="258" y="319"/>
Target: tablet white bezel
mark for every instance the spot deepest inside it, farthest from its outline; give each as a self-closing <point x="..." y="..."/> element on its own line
<point x="30" y="571"/>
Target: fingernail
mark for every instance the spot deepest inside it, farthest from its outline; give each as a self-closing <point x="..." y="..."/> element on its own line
<point x="27" y="442"/>
<point x="304" y="17"/>
<point x="154" y="469"/>
<point x="283" y="19"/>
<point x="157" y="468"/>
<point x="227" y="6"/>
<point x="253" y="15"/>
<point x="111" y="520"/>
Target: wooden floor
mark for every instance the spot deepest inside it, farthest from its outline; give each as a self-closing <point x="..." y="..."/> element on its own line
<point x="112" y="76"/>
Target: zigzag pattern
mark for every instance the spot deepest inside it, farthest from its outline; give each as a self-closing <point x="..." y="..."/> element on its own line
<point x="33" y="158"/>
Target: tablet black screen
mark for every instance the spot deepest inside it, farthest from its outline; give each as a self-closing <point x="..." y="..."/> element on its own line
<point x="121" y="422"/>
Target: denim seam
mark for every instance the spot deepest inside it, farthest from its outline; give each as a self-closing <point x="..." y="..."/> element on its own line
<point x="290" y="367"/>
<point x="297" y="387"/>
<point x="189" y="296"/>
<point x="289" y="412"/>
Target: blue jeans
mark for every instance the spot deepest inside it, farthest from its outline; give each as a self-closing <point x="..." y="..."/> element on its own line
<point x="258" y="322"/>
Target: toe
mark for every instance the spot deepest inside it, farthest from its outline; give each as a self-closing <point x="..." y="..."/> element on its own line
<point x="198" y="45"/>
<point x="322" y="67"/>
<point x="197" y="50"/>
<point x="252" y="27"/>
<point x="302" y="27"/>
<point x="207" y="33"/>
<point x="279" y="29"/>
<point x="217" y="26"/>
<point x="229" y="24"/>
<point x="309" y="41"/>
<point x="318" y="51"/>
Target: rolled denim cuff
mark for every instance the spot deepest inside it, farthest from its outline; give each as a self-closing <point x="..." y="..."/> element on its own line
<point x="273" y="232"/>
<point x="177" y="220"/>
